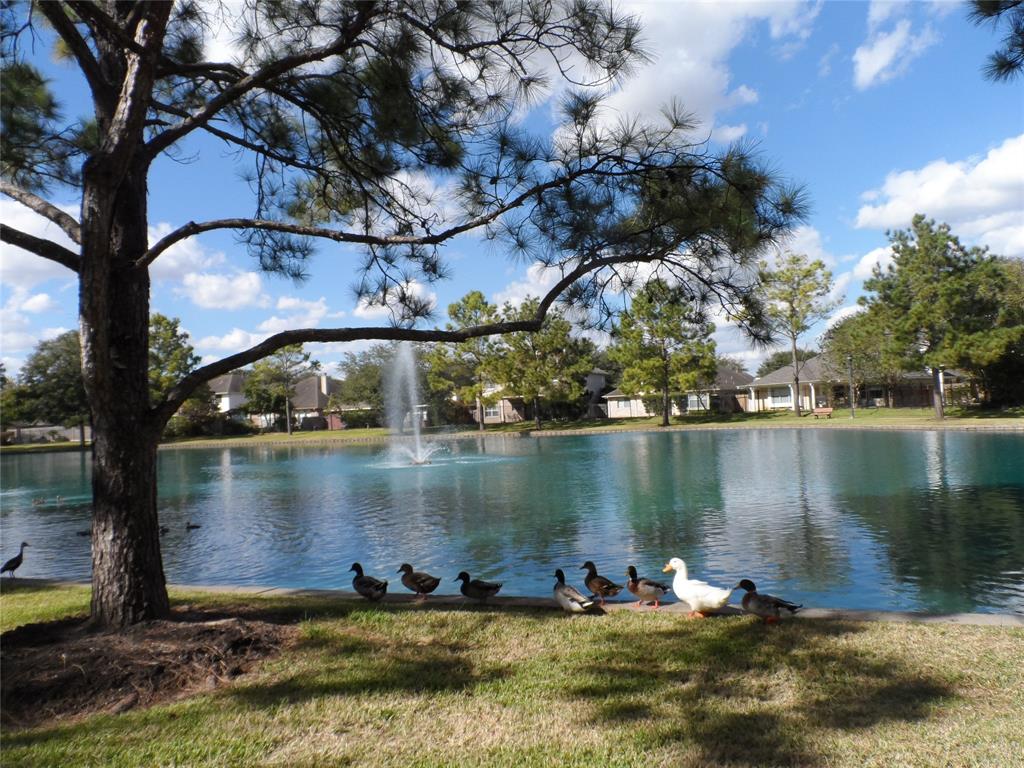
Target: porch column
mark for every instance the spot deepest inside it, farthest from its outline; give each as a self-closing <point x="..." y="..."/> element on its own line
<point x="814" y="402"/>
<point x="752" y="405"/>
<point x="792" y="397"/>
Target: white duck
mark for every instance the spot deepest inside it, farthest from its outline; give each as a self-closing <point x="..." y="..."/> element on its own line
<point x="699" y="595"/>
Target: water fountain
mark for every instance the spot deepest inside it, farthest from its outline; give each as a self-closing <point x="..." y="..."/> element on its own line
<point x="402" y="399"/>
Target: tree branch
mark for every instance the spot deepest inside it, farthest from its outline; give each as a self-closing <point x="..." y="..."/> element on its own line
<point x="44" y="208"/>
<point x="47" y="249"/>
<point x="260" y="77"/>
<point x="194" y="228"/>
<point x="102" y="94"/>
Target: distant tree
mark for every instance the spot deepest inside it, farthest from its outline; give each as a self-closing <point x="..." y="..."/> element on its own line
<point x="663" y="343"/>
<point x="362" y="379"/>
<point x="796" y="293"/>
<point x="865" y="343"/>
<point x="783" y="357"/>
<point x="1007" y="62"/>
<point x="171" y="357"/>
<point x="51" y="382"/>
<point x="549" y="364"/>
<point x="273" y="379"/>
<point x="465" y="369"/>
<point x="1002" y="379"/>
<point x="946" y="303"/>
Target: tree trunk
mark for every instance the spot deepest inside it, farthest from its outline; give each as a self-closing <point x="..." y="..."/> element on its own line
<point x="937" y="393"/>
<point x="665" y="407"/>
<point x="81" y="435"/>
<point x="479" y="415"/>
<point x="127" y="570"/>
<point x="796" y="378"/>
<point x="536" y="412"/>
<point x="288" y="415"/>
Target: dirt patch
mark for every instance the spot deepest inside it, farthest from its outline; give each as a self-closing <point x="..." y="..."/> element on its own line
<point x="62" y="670"/>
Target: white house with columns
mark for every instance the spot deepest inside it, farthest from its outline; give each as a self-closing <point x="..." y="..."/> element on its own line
<point x="774" y="391"/>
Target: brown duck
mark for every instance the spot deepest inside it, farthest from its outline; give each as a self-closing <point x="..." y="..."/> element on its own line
<point x="599" y="585"/>
<point x="369" y="587"/>
<point x="477" y="589"/>
<point x="417" y="581"/>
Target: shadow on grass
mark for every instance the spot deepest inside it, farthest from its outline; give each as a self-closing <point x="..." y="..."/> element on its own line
<point x="730" y="693"/>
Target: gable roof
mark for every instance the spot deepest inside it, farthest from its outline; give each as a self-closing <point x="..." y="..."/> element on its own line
<point x="228" y="383"/>
<point x="812" y="370"/>
<point x="310" y="394"/>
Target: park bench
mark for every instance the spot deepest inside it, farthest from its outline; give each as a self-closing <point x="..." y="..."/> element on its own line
<point x="826" y="412"/>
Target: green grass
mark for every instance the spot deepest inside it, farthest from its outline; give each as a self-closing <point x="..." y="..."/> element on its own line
<point x="63" y="447"/>
<point x="399" y="685"/>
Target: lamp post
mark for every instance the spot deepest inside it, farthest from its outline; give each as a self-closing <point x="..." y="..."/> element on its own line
<point x="849" y="373"/>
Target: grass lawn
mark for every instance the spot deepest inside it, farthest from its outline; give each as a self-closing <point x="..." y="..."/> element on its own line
<point x="401" y="685"/>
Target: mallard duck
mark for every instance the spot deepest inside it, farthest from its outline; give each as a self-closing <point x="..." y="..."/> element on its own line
<point x="15" y="562"/>
<point x="768" y="607"/>
<point x="599" y="585"/>
<point x="699" y="595"/>
<point x="420" y="583"/>
<point x="646" y="590"/>
<point x="190" y="526"/>
<point x="477" y="589"/>
<point x="369" y="587"/>
<point x="570" y="598"/>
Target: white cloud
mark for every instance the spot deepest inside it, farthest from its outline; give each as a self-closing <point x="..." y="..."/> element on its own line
<point x="224" y="291"/>
<point x="538" y="281"/>
<point x="881" y="257"/>
<point x="886" y="55"/>
<point x="24" y="269"/>
<point x="825" y="62"/>
<point x="692" y="46"/>
<point x="880" y="11"/>
<point x="40" y="302"/>
<point x="982" y="199"/>
<point x="183" y="257"/>
<point x="807" y="240"/>
<point x="234" y="340"/>
<point x="727" y="134"/>
<point x="841" y="314"/>
<point x="304" y="314"/>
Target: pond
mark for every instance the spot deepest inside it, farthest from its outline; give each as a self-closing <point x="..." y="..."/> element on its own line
<point x="930" y="520"/>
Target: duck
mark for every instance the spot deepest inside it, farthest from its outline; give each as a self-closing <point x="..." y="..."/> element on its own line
<point x="420" y="583"/>
<point x="768" y="607"/>
<point x="599" y="585"/>
<point x="699" y="595"/>
<point x="164" y="529"/>
<point x="570" y="598"/>
<point x="15" y="562"/>
<point x="477" y="589"/>
<point x="190" y="526"/>
<point x="646" y="590"/>
<point x="369" y="587"/>
<point x="83" y="533"/>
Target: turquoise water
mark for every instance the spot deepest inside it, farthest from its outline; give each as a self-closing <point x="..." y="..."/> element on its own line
<point x="928" y="521"/>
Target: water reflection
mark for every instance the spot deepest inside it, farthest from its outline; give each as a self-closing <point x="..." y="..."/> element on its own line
<point x="854" y="518"/>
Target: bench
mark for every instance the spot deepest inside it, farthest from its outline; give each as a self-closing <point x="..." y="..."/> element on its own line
<point x="826" y="412"/>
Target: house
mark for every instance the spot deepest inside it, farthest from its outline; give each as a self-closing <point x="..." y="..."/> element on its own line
<point x="309" y="403"/>
<point x="508" y="409"/>
<point x="728" y="393"/>
<point x="595" y="385"/>
<point x="821" y="385"/>
<point x="623" y="406"/>
<point x="228" y="391"/>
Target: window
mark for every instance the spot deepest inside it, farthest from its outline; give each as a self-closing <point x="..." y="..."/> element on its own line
<point x="781" y="396"/>
<point x="695" y="403"/>
<point x="491" y="412"/>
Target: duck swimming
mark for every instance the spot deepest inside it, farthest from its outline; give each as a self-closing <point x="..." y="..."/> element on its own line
<point x="646" y="590"/>
<point x="699" y="595"/>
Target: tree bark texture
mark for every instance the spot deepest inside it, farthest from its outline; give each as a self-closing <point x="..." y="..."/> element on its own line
<point x="664" y="391"/>
<point x="128" y="583"/>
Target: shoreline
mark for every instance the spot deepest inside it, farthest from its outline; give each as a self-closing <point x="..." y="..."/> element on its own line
<point x="1011" y="620"/>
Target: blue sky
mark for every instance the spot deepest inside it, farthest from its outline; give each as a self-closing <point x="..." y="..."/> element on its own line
<point x="879" y="109"/>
